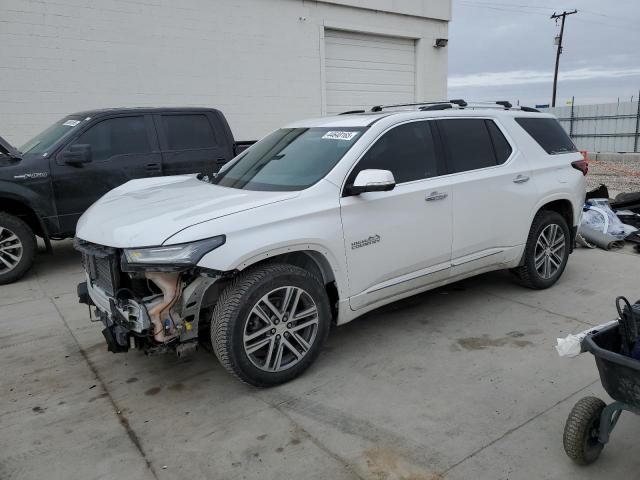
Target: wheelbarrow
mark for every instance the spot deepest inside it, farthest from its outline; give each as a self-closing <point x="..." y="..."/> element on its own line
<point x="591" y="420"/>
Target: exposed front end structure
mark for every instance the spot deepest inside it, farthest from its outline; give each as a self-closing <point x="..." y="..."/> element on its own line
<point x="155" y="311"/>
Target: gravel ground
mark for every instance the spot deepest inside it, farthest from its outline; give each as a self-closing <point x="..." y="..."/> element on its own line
<point x="619" y="177"/>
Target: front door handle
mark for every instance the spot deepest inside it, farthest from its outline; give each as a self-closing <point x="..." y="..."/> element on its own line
<point x="433" y="196"/>
<point x="521" y="179"/>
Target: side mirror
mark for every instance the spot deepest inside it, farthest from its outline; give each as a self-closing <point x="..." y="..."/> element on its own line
<point x="372" y="181"/>
<point x="77" y="154"/>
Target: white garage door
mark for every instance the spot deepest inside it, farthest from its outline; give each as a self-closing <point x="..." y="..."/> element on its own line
<point x="362" y="70"/>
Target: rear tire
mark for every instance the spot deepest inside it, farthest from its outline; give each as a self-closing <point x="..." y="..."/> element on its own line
<point x="581" y="431"/>
<point x="269" y="324"/>
<point x="547" y="251"/>
<point x="17" y="248"/>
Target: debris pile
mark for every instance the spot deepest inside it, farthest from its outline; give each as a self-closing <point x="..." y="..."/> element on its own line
<point x="608" y="223"/>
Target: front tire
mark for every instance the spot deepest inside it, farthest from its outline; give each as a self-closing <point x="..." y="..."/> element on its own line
<point x="547" y="251"/>
<point x="17" y="248"/>
<point x="269" y="324"/>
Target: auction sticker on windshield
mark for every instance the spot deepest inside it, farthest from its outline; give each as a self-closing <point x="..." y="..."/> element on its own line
<point x="339" y="135"/>
<point x="71" y="123"/>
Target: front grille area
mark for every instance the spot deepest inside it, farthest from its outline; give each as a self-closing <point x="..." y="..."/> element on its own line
<point x="101" y="264"/>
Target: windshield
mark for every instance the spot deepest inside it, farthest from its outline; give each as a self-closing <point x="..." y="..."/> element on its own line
<point x="289" y="159"/>
<point x="46" y="139"/>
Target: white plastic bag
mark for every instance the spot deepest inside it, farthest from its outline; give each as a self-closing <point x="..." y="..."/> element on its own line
<point x="599" y="216"/>
<point x="571" y="345"/>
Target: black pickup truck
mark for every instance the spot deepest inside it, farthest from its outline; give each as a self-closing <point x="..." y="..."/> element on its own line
<point x="50" y="181"/>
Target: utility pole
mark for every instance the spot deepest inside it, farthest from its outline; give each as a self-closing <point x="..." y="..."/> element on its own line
<point x="555" y="16"/>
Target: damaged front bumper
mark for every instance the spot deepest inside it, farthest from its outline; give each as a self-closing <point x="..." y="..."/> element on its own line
<point x="156" y="311"/>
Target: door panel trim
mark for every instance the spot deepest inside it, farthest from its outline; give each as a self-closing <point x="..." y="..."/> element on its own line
<point x="401" y="285"/>
<point x="476" y="256"/>
<point x="408" y="276"/>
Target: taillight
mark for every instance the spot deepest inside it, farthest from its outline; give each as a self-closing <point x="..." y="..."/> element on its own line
<point x="582" y="165"/>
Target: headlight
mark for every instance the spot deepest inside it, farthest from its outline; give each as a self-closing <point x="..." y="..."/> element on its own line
<point x="180" y="255"/>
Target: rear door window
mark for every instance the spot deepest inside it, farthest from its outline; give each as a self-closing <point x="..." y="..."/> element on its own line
<point x="116" y="136"/>
<point x="548" y="133"/>
<point x="468" y="143"/>
<point x="408" y="151"/>
<point x="188" y="132"/>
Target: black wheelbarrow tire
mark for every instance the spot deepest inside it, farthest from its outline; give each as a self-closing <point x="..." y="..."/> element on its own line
<point x="581" y="431"/>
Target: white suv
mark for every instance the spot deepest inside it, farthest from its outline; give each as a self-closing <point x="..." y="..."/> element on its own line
<point x="324" y="220"/>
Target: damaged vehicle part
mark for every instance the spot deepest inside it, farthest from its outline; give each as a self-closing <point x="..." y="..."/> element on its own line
<point x="150" y="309"/>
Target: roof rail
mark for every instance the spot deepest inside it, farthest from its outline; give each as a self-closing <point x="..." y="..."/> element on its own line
<point x="460" y="102"/>
<point x="379" y="108"/>
<point x="438" y="106"/>
<point x="352" y="112"/>
<point x="457" y="103"/>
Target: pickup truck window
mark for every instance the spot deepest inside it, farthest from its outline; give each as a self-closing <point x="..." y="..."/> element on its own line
<point x="289" y="159"/>
<point x="46" y="139"/>
<point x="116" y="136"/>
<point x="185" y="132"/>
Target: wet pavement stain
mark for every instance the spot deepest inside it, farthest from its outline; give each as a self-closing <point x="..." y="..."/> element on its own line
<point x="484" y="342"/>
<point x="132" y="380"/>
<point x="153" y="391"/>
<point x="38" y="409"/>
<point x="261" y="437"/>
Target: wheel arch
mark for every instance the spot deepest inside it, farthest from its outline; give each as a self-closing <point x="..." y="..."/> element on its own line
<point x="308" y="259"/>
<point x="21" y="209"/>
<point x="562" y="206"/>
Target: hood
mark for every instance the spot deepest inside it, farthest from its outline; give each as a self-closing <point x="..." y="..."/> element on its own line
<point x="7" y="149"/>
<point x="147" y="212"/>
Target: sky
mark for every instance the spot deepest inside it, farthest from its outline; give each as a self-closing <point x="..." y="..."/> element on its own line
<point x="504" y="50"/>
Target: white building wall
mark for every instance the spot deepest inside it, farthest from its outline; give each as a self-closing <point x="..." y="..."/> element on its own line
<point x="259" y="61"/>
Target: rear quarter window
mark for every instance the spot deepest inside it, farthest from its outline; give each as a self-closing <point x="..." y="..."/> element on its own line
<point x="548" y="133"/>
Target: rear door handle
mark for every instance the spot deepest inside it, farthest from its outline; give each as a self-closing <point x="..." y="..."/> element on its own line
<point x="433" y="196"/>
<point x="521" y="179"/>
<point x="153" y="167"/>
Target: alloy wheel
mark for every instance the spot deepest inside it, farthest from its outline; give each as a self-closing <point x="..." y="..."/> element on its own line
<point x="280" y="329"/>
<point x="550" y="250"/>
<point x="10" y="250"/>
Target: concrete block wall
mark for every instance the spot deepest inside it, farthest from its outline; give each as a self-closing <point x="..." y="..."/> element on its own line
<point x="259" y="61"/>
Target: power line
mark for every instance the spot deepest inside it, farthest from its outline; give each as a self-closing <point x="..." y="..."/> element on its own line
<point x="501" y="9"/>
<point x="555" y="16"/>
<point x="537" y="7"/>
<point x="525" y="9"/>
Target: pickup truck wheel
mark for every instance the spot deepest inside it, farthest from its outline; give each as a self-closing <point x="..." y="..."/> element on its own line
<point x="269" y="324"/>
<point x="17" y="248"/>
<point x="547" y="251"/>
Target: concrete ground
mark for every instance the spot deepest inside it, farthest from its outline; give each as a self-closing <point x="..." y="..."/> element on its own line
<point x="459" y="383"/>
